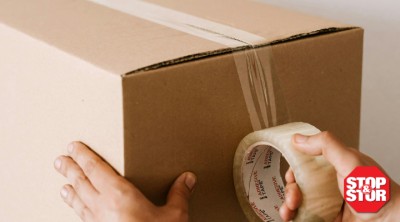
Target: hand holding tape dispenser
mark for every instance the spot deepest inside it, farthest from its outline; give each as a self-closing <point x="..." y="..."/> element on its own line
<point x="259" y="186"/>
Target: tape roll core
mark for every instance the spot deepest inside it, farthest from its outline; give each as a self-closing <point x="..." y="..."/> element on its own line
<point x="260" y="188"/>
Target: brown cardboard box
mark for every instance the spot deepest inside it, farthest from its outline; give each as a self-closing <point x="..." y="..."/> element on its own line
<point x="76" y="70"/>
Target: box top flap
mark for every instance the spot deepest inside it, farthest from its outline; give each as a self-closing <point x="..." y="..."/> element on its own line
<point x="124" y="43"/>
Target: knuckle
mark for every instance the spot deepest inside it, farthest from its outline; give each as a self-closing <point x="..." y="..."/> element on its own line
<point x="114" y="204"/>
<point x="120" y="185"/>
<point x="120" y="193"/>
<point x="83" y="213"/>
<point x="89" y="166"/>
<point x="327" y="136"/>
<point x="78" y="180"/>
<point x="123" y="191"/>
<point x="87" y="162"/>
<point x="182" y="193"/>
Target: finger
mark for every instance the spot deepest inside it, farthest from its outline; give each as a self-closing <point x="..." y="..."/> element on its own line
<point x="285" y="213"/>
<point x="179" y="194"/>
<point x="293" y="196"/>
<point x="95" y="168"/>
<point x="289" y="176"/>
<point x="344" y="159"/>
<point x="82" y="186"/>
<point x="70" y="197"/>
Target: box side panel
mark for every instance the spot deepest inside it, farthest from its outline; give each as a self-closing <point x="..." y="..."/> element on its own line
<point x="48" y="99"/>
<point x="187" y="117"/>
<point x="321" y="79"/>
<point x="192" y="116"/>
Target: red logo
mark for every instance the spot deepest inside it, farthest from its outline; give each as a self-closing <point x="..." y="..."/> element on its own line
<point x="366" y="189"/>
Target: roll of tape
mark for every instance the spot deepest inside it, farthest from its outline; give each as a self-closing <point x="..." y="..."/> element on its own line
<point x="260" y="188"/>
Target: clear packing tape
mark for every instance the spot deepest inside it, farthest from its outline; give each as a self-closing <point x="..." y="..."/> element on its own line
<point x="259" y="186"/>
<point x="261" y="92"/>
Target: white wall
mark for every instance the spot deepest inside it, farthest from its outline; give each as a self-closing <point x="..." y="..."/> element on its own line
<point x="380" y="116"/>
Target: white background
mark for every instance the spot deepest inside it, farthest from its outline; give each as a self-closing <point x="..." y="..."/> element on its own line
<point x="380" y="116"/>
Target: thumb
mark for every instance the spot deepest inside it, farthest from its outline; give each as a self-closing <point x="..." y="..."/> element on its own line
<point x="343" y="158"/>
<point x="180" y="192"/>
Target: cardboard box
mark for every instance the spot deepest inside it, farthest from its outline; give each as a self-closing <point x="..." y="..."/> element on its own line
<point x="155" y="101"/>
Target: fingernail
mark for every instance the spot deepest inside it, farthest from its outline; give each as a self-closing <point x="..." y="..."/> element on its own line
<point x="190" y="181"/>
<point x="64" y="192"/>
<point x="57" y="163"/>
<point x="70" y="148"/>
<point x="298" y="138"/>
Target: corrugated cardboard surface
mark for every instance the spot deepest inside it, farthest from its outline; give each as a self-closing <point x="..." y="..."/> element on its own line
<point x="199" y="115"/>
<point x="61" y="79"/>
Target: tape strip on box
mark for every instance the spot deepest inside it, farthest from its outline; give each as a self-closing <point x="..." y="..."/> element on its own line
<point x="206" y="29"/>
<point x="259" y="90"/>
<point x="254" y="72"/>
